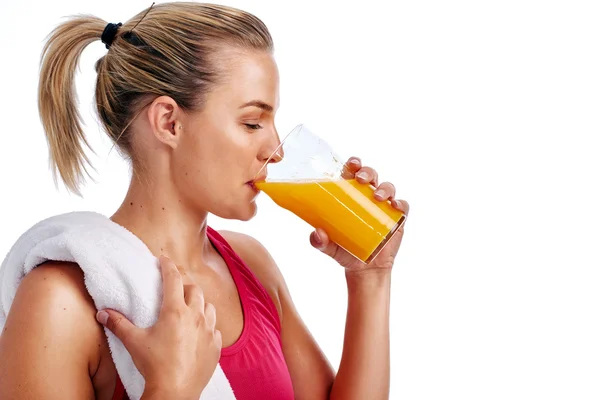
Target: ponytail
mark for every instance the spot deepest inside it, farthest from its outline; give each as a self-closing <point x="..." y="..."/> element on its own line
<point x="57" y="98"/>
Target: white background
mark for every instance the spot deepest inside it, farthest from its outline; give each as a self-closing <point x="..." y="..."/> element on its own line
<point x="484" y="114"/>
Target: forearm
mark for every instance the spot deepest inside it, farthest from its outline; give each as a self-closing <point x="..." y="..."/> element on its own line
<point x="364" y="371"/>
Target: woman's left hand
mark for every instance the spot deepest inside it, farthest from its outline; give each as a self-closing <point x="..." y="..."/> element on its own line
<point x="384" y="192"/>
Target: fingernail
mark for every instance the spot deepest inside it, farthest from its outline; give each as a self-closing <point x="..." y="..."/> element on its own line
<point x="354" y="161"/>
<point x="318" y="238"/>
<point x="379" y="193"/>
<point x="362" y="175"/>
<point x="102" y="317"/>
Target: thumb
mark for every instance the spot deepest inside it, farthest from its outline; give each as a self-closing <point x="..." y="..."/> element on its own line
<point x="117" y="323"/>
<point x="320" y="241"/>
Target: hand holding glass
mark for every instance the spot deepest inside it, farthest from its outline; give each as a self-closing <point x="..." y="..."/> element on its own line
<point x="312" y="182"/>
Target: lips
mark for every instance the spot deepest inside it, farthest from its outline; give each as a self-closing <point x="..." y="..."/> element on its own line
<point x="252" y="183"/>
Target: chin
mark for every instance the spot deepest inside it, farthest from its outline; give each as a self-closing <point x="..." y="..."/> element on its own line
<point x="249" y="212"/>
<point x="241" y="212"/>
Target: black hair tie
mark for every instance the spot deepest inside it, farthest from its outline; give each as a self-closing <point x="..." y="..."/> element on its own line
<point x="110" y="31"/>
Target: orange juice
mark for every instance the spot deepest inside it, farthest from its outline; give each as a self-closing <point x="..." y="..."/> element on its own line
<point x="346" y="209"/>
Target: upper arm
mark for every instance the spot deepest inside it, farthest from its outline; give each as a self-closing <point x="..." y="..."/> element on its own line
<point x="305" y="360"/>
<point x="47" y="344"/>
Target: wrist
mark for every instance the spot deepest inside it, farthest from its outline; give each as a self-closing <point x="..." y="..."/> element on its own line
<point x="376" y="278"/>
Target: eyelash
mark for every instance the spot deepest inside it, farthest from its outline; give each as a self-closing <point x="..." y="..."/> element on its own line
<point x="253" y="126"/>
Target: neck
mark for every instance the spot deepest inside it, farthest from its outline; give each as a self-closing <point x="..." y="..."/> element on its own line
<point x="160" y="218"/>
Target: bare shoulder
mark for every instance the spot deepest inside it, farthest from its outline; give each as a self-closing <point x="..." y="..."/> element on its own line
<point x="52" y="300"/>
<point x="255" y="255"/>
<point x="260" y="262"/>
<point x="50" y="330"/>
<point x="55" y="284"/>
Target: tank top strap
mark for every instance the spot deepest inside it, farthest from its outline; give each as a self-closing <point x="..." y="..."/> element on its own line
<point x="248" y="285"/>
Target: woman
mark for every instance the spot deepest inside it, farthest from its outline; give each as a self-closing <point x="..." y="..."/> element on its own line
<point x="188" y="93"/>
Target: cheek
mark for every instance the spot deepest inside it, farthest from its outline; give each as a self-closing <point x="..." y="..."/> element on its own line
<point x="213" y="166"/>
<point x="188" y="161"/>
<point x="203" y="176"/>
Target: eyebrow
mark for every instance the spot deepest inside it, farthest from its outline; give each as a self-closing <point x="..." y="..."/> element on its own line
<point x="257" y="103"/>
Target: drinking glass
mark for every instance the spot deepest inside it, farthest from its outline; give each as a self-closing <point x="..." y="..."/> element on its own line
<point x="314" y="183"/>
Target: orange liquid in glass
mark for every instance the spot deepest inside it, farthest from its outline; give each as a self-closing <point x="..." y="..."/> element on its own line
<point x="345" y="209"/>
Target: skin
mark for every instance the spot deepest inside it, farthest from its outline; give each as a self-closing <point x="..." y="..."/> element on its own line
<point x="62" y="353"/>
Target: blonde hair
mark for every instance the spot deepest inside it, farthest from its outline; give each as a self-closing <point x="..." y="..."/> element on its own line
<point x="170" y="51"/>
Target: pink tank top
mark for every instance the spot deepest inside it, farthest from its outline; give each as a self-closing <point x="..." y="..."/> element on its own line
<point x="254" y="365"/>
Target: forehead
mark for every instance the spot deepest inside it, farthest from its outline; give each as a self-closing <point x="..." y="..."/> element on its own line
<point x="248" y="76"/>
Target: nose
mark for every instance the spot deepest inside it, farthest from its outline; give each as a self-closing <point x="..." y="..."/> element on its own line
<point x="277" y="155"/>
<point x="273" y="152"/>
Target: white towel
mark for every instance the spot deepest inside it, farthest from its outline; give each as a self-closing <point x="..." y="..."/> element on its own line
<point x="120" y="273"/>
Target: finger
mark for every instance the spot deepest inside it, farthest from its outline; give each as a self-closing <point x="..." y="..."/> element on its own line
<point x="210" y="315"/>
<point x="218" y="339"/>
<point x="117" y="324"/>
<point x="367" y="175"/>
<point x="172" y="283"/>
<point x="194" y="297"/>
<point x="401" y="205"/>
<point x="351" y="167"/>
<point x="185" y="278"/>
<point x="320" y="241"/>
<point x="385" y="191"/>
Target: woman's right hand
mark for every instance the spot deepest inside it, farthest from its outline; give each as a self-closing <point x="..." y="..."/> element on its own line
<point x="178" y="355"/>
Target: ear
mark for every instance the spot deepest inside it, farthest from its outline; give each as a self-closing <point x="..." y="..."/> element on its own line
<point x="164" y="116"/>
